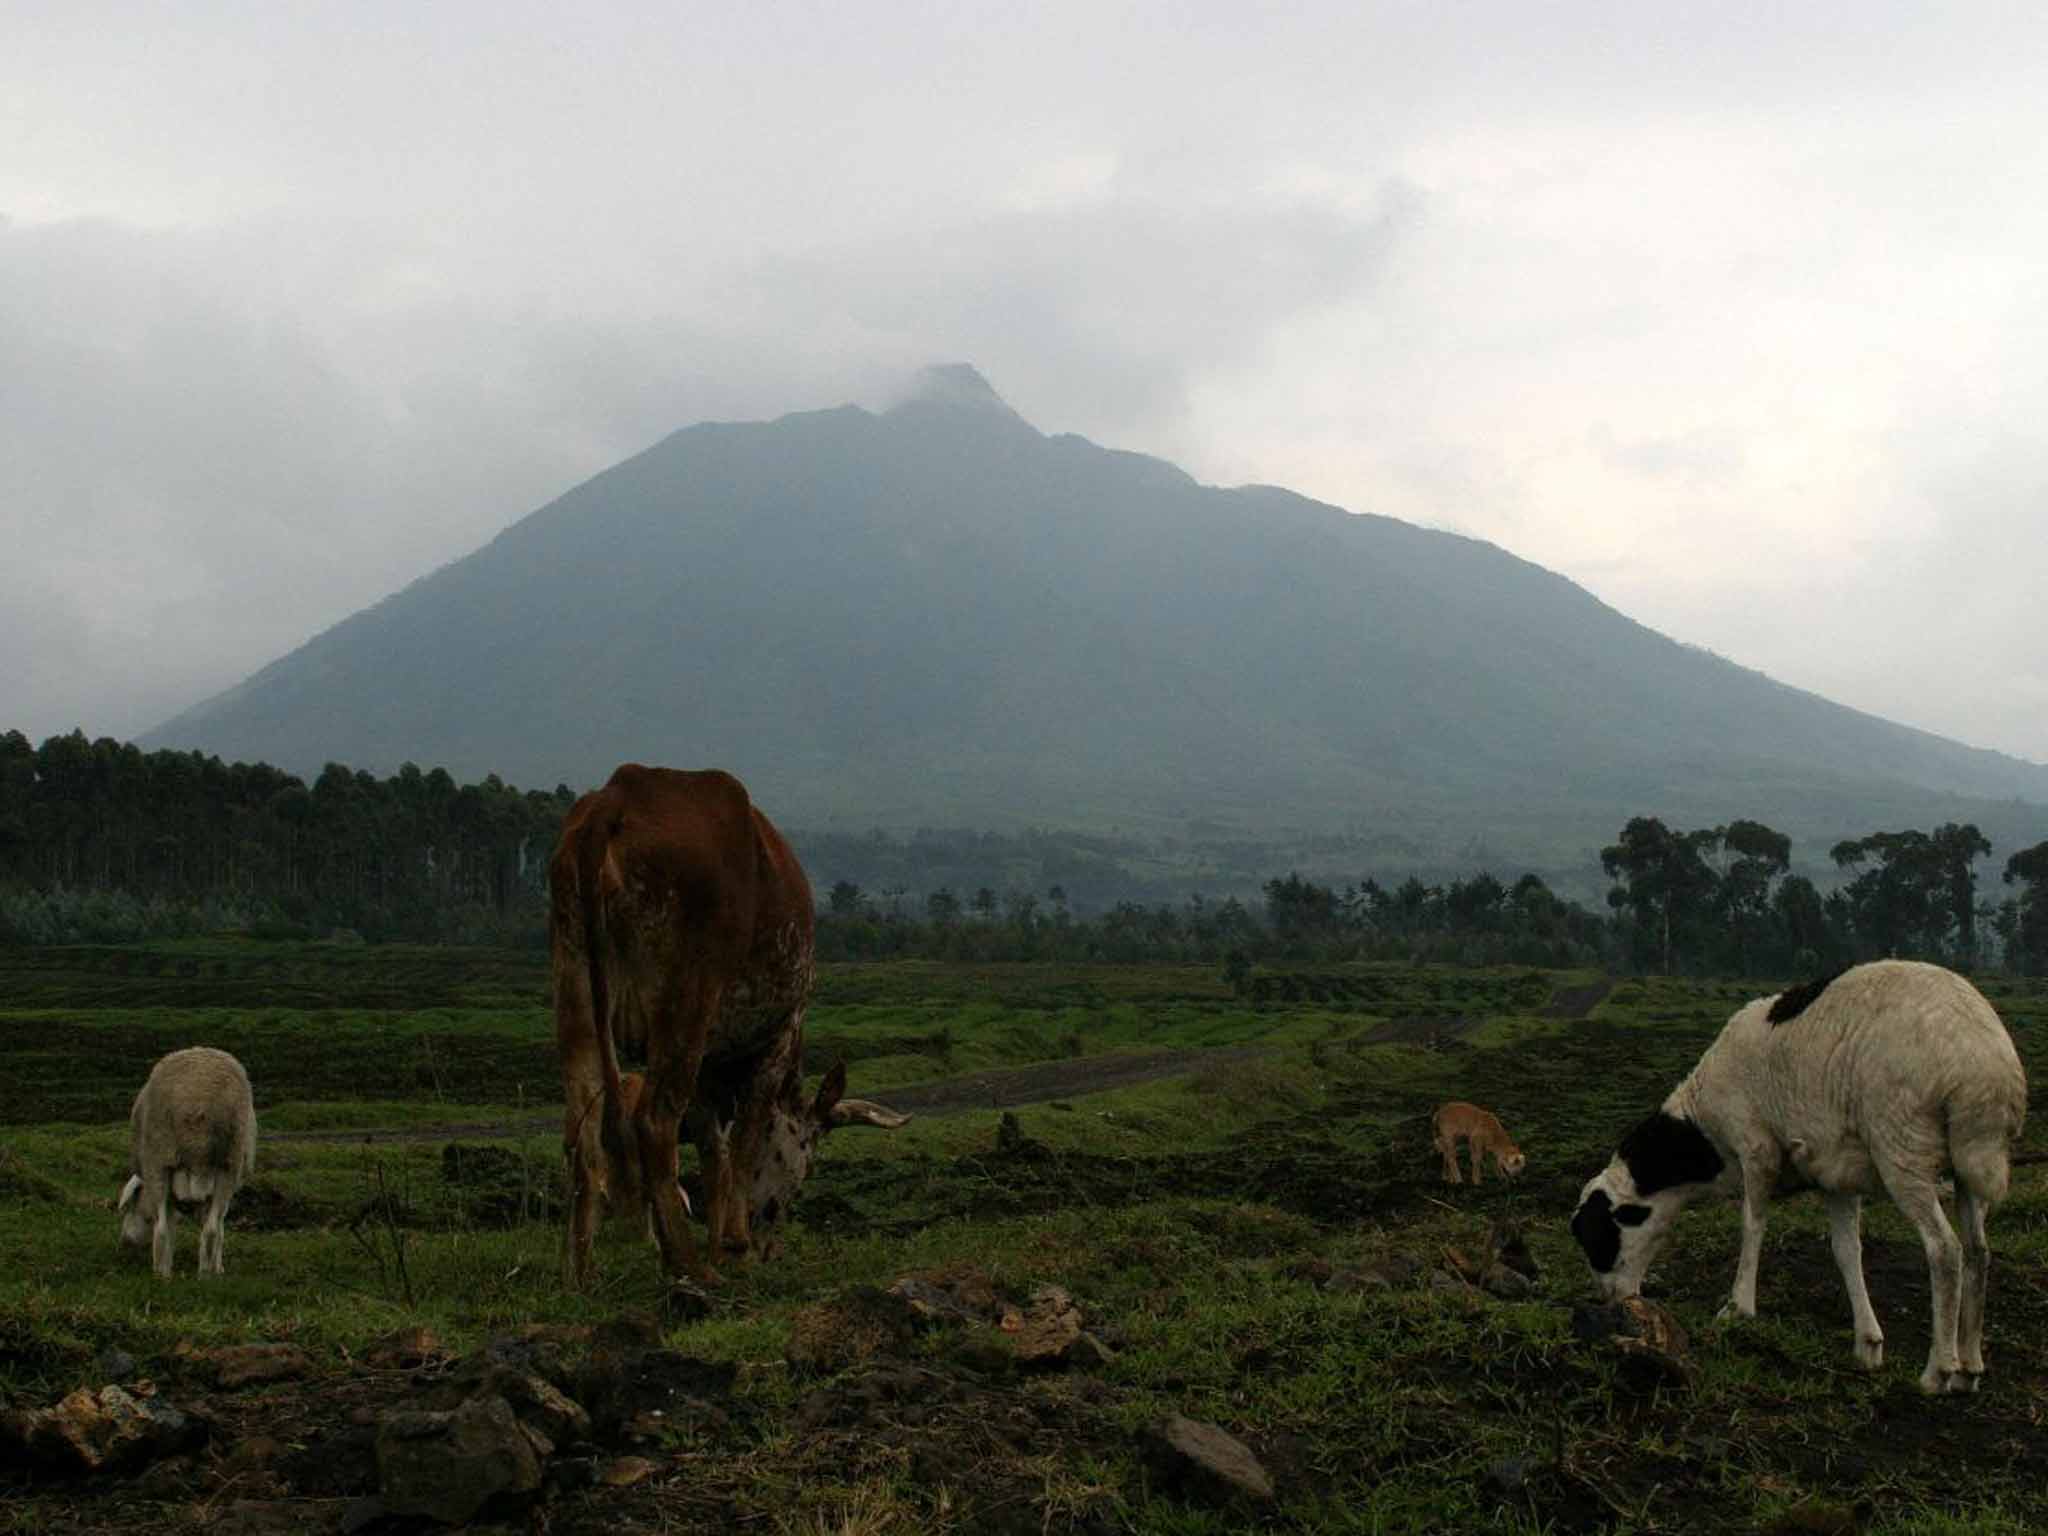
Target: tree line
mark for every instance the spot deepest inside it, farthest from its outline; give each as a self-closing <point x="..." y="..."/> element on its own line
<point x="103" y="842"/>
<point x="100" y="841"/>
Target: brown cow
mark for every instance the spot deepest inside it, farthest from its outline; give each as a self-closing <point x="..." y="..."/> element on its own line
<point x="681" y="925"/>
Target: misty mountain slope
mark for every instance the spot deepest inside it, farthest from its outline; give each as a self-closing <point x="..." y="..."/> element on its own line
<point x="938" y="615"/>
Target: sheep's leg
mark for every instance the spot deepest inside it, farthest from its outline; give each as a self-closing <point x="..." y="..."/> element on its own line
<point x="1448" y="1146"/>
<point x="211" y="1234"/>
<point x="1756" y="1201"/>
<point x="1970" y="1211"/>
<point x="163" y="1242"/>
<point x="1920" y="1203"/>
<point x="1845" y="1237"/>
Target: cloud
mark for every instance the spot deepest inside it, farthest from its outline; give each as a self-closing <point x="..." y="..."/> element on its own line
<point x="1732" y="315"/>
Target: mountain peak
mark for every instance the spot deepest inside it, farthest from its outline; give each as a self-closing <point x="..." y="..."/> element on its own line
<point x="955" y="387"/>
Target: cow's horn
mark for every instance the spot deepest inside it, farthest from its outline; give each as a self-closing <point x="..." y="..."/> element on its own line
<point x="866" y="1112"/>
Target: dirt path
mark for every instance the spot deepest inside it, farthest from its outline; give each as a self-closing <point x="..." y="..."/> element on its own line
<point x="1000" y="1089"/>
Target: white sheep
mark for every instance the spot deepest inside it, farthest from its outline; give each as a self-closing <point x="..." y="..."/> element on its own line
<point x="193" y="1137"/>
<point x="1879" y="1078"/>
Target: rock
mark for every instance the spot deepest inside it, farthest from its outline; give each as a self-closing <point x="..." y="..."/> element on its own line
<point x="1633" y="1318"/>
<point x="1507" y="1283"/>
<point x="112" y="1429"/>
<point x="242" y="1365"/>
<point x="1206" y="1462"/>
<point x="1050" y="1328"/>
<point x="1649" y="1341"/>
<point x="533" y="1352"/>
<point x="534" y="1401"/>
<point x="617" y="1389"/>
<point x="626" y="1471"/>
<point x="1655" y="1325"/>
<point x="115" y="1365"/>
<point x="686" y="1303"/>
<point x="404" y="1349"/>
<point x="362" y="1512"/>
<point x="1508" y="1247"/>
<point x="334" y="1466"/>
<point x="450" y="1465"/>
<point x="931" y="1302"/>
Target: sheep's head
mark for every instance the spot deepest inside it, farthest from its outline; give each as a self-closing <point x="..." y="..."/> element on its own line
<point x="1619" y="1232"/>
<point x="1513" y="1162"/>
<point x="136" y="1223"/>
<point x="791" y="1144"/>
<point x="1628" y="1208"/>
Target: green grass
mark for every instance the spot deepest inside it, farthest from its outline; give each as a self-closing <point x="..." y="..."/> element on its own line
<point x="1195" y="1219"/>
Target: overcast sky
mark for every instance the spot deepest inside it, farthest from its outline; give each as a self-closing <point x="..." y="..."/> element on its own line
<point x="1735" y="314"/>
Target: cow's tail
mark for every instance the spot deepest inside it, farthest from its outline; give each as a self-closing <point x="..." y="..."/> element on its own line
<point x="595" y="856"/>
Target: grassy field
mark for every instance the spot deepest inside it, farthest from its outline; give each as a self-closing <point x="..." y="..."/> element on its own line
<point x="1206" y="1223"/>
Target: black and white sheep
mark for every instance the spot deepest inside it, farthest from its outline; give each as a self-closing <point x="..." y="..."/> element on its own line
<point x="193" y="1137"/>
<point x="1881" y="1078"/>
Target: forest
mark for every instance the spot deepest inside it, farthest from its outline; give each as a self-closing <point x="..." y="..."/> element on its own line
<point x="101" y="842"/>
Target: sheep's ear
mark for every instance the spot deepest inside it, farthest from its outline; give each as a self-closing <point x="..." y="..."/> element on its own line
<point x="129" y="1191"/>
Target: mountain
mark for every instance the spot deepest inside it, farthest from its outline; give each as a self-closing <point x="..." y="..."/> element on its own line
<point x="937" y="615"/>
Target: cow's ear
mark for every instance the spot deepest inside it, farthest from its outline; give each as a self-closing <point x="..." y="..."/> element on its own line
<point x="129" y="1191"/>
<point x="829" y="1093"/>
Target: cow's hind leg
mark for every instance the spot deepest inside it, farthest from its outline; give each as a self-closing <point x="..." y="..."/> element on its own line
<point x="725" y="1206"/>
<point x="584" y="1122"/>
<point x="675" y="1059"/>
